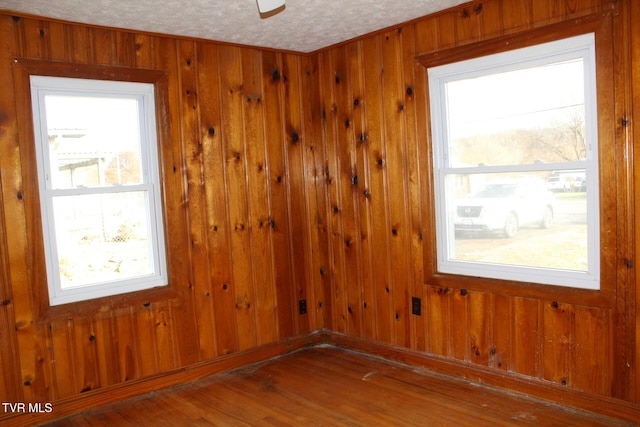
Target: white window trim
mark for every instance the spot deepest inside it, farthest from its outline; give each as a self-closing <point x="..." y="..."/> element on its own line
<point x="580" y="46"/>
<point x="42" y="86"/>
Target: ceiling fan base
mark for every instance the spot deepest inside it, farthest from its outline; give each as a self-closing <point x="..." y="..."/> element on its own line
<point x="266" y="6"/>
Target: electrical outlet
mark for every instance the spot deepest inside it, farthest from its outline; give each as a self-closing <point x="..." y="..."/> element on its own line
<point x="416" y="306"/>
<point x="302" y="306"/>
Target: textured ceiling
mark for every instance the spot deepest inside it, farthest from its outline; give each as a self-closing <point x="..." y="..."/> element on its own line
<point x="303" y="26"/>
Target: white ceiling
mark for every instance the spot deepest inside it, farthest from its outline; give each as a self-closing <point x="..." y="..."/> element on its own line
<point x="303" y="26"/>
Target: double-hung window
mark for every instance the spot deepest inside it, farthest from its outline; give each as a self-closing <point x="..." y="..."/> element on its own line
<point x="516" y="164"/>
<point x="97" y="160"/>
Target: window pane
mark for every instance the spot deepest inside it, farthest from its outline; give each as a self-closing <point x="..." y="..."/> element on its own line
<point x="102" y="237"/>
<point x="518" y="117"/>
<point x="93" y="142"/>
<point x="513" y="219"/>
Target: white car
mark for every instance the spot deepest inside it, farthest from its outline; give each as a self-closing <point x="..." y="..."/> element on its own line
<point x="565" y="180"/>
<point x="505" y="206"/>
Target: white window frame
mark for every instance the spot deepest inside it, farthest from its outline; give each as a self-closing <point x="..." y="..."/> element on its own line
<point x="41" y="86"/>
<point x="582" y="46"/>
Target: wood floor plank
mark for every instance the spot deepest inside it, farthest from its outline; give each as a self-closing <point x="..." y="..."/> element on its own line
<point x="329" y="386"/>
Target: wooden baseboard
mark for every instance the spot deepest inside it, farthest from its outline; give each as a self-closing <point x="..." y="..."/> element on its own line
<point x="533" y="387"/>
<point x="139" y="387"/>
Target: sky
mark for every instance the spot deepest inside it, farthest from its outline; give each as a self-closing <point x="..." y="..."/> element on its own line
<point x="108" y="122"/>
<point x="530" y="97"/>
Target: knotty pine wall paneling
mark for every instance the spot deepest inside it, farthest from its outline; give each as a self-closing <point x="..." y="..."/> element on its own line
<point x="382" y="245"/>
<point x="295" y="155"/>
<point x="9" y="374"/>
<point x="290" y="177"/>
<point x="634" y="131"/>
<point x="240" y="174"/>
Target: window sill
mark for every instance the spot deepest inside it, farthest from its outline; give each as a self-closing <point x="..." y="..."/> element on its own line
<point x="47" y="313"/>
<point x="603" y="298"/>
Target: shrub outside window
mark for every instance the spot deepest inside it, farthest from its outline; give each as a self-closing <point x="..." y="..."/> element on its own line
<point x="96" y="149"/>
<point x="516" y="164"/>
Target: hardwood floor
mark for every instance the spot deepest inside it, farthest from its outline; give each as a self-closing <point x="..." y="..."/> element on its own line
<point x="332" y="387"/>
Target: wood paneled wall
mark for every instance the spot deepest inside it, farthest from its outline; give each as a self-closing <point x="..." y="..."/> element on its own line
<point x="290" y="177"/>
<point x="240" y="126"/>
<point x="381" y="219"/>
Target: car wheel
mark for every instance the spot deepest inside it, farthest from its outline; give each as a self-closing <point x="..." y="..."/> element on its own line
<point x="547" y="218"/>
<point x="510" y="226"/>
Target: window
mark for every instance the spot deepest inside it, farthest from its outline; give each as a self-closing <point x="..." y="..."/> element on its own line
<point x="98" y="175"/>
<point x="516" y="164"/>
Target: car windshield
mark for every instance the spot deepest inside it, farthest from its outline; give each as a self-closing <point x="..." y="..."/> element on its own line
<point x="496" y="190"/>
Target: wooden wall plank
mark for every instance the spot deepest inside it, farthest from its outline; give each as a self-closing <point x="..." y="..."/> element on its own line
<point x="143" y="50"/>
<point x="439" y="324"/>
<point x="468" y="22"/>
<point x="233" y="135"/>
<point x="427" y="36"/>
<point x="34" y="37"/>
<point x="374" y="110"/>
<point x="185" y="313"/>
<point x="104" y="46"/>
<point x="56" y="37"/>
<point x="124" y="49"/>
<point x="259" y="200"/>
<point x="490" y="18"/>
<point x="517" y="15"/>
<point x="80" y="43"/>
<point x="632" y="10"/>
<point x="481" y="327"/>
<point x="276" y="154"/>
<point x="348" y="176"/>
<point x="593" y="350"/>
<point x="64" y="382"/>
<point x="446" y="29"/>
<point x="316" y="202"/>
<point x="413" y="78"/>
<point x="83" y="339"/>
<point x="317" y="206"/>
<point x="362" y="196"/>
<point x="167" y="348"/>
<point x="199" y="240"/>
<point x="108" y="368"/>
<point x="217" y="224"/>
<point x="547" y="10"/>
<point x="503" y="333"/>
<point x="127" y="346"/>
<point x="296" y="200"/>
<point x="399" y="229"/>
<point x="526" y="349"/>
<point x="145" y="330"/>
<point x="460" y="337"/>
<point x="335" y="296"/>
<point x="559" y="342"/>
<point x="341" y="171"/>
